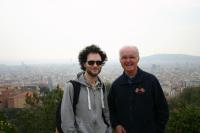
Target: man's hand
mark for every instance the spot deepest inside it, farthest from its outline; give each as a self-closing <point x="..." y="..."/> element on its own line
<point x="120" y="129"/>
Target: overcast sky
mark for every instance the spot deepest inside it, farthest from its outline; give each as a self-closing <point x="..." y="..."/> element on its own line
<point x="58" y="29"/>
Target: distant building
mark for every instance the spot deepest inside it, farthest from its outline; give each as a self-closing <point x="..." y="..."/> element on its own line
<point x="10" y="97"/>
<point x="50" y="83"/>
<point x="5" y="92"/>
<point x="192" y="83"/>
<point x="18" y="100"/>
<point x="30" y="87"/>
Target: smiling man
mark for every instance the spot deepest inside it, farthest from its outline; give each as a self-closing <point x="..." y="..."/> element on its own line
<point x="91" y="114"/>
<point x="136" y="100"/>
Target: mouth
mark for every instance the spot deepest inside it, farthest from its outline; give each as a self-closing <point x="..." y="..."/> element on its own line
<point x="129" y="65"/>
<point x="95" y="70"/>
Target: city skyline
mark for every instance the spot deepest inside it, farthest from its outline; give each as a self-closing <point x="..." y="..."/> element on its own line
<point x="151" y="59"/>
<point x="58" y="30"/>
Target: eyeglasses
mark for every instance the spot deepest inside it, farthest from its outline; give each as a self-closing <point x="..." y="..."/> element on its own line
<point x="98" y="63"/>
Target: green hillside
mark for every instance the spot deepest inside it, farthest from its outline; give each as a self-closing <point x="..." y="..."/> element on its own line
<point x="185" y="112"/>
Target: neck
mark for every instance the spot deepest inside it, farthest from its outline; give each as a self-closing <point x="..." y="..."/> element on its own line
<point x="132" y="73"/>
<point x="91" y="79"/>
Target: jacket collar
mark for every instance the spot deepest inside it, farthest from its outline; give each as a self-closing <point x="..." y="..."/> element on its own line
<point x="125" y="79"/>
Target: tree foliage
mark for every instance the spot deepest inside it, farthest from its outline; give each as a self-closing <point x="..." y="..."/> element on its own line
<point x="40" y="117"/>
<point x="33" y="100"/>
<point x="5" y="125"/>
<point x="185" y="120"/>
<point x="185" y="112"/>
<point x="189" y="96"/>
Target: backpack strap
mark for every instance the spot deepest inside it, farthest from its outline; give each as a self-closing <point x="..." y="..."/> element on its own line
<point x="103" y="88"/>
<point x="77" y="88"/>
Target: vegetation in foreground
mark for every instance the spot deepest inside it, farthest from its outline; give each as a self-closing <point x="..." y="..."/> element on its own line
<point x="40" y="116"/>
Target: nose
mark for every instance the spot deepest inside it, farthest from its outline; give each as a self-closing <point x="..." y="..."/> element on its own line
<point x="95" y="64"/>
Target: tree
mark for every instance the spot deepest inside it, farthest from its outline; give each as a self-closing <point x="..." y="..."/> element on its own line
<point x="32" y="100"/>
<point x="40" y="118"/>
<point x="185" y="112"/>
<point x="5" y="126"/>
<point x="184" y="120"/>
<point x="107" y="85"/>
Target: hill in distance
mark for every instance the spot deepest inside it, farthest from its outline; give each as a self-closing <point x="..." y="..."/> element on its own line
<point x="170" y="59"/>
<point x="153" y="59"/>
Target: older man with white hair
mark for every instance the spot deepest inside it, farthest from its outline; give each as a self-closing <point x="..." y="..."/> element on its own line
<point x="136" y="101"/>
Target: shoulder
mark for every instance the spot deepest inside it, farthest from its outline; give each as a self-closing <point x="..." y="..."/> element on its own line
<point x="148" y="76"/>
<point x="150" y="79"/>
<point x="118" y="80"/>
<point x="68" y="87"/>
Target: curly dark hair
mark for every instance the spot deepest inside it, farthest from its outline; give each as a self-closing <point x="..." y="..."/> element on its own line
<point x="90" y="49"/>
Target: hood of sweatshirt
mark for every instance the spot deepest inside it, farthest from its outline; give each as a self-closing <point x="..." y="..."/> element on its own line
<point x="99" y="85"/>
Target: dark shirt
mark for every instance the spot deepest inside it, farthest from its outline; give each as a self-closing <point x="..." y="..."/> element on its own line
<point x="138" y="104"/>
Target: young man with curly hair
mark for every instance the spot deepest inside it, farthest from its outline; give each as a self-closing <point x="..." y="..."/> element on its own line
<point x="91" y="114"/>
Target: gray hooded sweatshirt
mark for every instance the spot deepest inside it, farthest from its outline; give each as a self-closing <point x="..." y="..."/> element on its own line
<point x="92" y="101"/>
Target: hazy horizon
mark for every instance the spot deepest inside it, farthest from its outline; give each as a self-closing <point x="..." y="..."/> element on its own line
<point x="75" y="61"/>
<point x="49" y="30"/>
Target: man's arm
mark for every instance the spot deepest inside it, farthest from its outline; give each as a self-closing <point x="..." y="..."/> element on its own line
<point x="67" y="114"/>
<point x="106" y="112"/>
<point x="112" y="108"/>
<point x="161" y="107"/>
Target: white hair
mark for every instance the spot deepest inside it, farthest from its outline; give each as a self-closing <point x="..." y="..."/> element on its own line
<point x="133" y="47"/>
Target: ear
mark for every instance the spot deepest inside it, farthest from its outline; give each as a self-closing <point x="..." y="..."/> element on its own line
<point x="138" y="59"/>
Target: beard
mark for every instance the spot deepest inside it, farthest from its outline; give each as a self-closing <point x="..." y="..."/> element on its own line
<point x="92" y="74"/>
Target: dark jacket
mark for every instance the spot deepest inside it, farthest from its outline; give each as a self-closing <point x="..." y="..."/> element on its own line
<point x="138" y="104"/>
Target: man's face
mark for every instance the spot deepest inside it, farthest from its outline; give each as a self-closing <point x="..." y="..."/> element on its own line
<point x="93" y="64"/>
<point x="129" y="58"/>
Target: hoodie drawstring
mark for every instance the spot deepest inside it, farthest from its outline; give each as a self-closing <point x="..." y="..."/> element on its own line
<point x="89" y="102"/>
<point x="102" y="101"/>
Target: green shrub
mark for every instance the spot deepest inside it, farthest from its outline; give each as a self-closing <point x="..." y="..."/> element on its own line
<point x="5" y="126"/>
<point x="185" y="112"/>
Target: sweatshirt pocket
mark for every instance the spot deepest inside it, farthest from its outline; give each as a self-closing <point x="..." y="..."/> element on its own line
<point x="83" y="127"/>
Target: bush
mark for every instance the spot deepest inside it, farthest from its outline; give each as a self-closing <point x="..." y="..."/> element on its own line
<point x="185" y="112"/>
<point x="40" y="117"/>
<point x="5" y="126"/>
<point x="184" y="120"/>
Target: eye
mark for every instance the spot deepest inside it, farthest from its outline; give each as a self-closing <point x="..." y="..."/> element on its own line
<point x="91" y="62"/>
